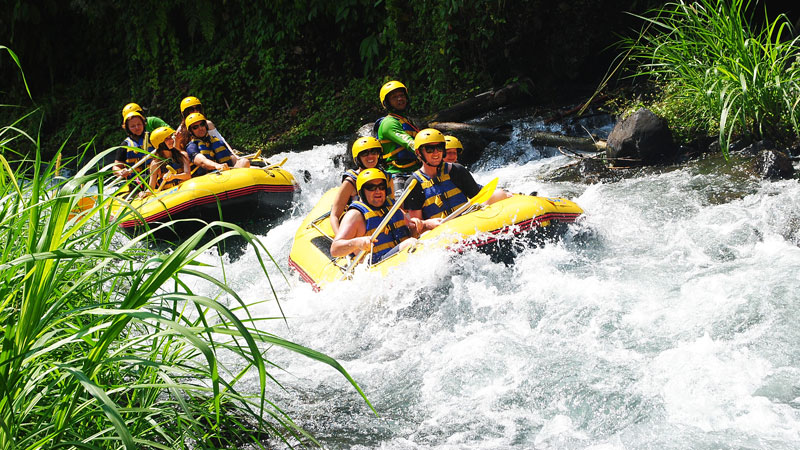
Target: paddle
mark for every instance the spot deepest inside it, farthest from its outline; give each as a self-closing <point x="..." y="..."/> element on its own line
<point x="381" y="226"/>
<point x="252" y="156"/>
<point x="172" y="171"/>
<point x="482" y="196"/>
<point x="272" y="166"/>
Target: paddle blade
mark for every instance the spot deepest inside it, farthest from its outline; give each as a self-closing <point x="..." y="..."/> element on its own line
<point x="484" y="194"/>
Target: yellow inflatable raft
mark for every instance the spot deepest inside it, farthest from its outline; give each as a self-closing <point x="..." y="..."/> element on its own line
<point x="236" y="195"/>
<point x="488" y="228"/>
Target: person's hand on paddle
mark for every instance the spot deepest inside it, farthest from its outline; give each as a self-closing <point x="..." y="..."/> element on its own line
<point x="362" y="243"/>
<point x="415" y="224"/>
<point x="430" y="224"/>
<point x="221" y="167"/>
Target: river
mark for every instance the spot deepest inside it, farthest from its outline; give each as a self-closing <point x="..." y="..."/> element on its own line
<point x="667" y="319"/>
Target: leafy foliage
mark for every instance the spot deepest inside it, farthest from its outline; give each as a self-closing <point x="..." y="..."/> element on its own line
<point x="259" y="68"/>
<point x="104" y="344"/>
<point x="718" y="73"/>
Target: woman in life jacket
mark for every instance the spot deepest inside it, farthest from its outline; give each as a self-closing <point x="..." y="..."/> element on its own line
<point x="366" y="152"/>
<point x="452" y="149"/>
<point x="133" y="148"/>
<point x="167" y="157"/>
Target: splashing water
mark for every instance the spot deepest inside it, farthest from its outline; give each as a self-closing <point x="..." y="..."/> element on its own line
<point x="666" y="319"/>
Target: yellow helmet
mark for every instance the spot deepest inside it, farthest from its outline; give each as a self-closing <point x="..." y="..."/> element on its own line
<point x="128" y="117"/>
<point x="189" y="102"/>
<point x="452" y="142"/>
<point x="193" y="118"/>
<point x="367" y="175"/>
<point x="159" y="135"/>
<point x="364" y="143"/>
<point x="428" y="136"/>
<point x="130" y="107"/>
<point x="389" y="87"/>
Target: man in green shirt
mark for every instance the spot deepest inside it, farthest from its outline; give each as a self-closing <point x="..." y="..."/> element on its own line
<point x="396" y="133"/>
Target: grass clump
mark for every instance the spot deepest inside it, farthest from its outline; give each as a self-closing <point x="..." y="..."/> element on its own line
<point x="717" y="73"/>
<point x="104" y="345"/>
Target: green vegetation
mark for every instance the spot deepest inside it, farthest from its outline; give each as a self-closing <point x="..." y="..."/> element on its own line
<point x="275" y="74"/>
<point x="104" y="344"/>
<point x="719" y="73"/>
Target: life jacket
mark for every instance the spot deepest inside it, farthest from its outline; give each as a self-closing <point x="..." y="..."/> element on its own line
<point x="393" y="234"/>
<point x="133" y="156"/>
<point x="213" y="149"/>
<point x="173" y="182"/>
<point x="442" y="196"/>
<point x="397" y="156"/>
<point x="352" y="175"/>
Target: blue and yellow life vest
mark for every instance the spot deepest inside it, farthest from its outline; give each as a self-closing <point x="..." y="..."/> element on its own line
<point x="173" y="182"/>
<point x="213" y="149"/>
<point x="132" y="156"/>
<point x="397" y="156"/>
<point x="395" y="232"/>
<point x="442" y="196"/>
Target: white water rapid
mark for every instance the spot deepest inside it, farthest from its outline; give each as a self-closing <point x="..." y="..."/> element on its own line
<point x="667" y="319"/>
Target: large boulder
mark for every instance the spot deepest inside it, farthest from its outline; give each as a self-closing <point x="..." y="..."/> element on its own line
<point x="773" y="164"/>
<point x="642" y="138"/>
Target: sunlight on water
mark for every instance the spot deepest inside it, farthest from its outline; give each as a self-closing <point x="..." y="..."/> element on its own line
<point x="666" y="319"/>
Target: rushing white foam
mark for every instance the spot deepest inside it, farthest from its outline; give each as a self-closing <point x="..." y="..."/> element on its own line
<point x="667" y="319"/>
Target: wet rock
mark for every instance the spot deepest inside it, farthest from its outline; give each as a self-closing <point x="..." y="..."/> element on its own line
<point x="751" y="149"/>
<point x="587" y="170"/>
<point x="364" y="130"/>
<point x="773" y="164"/>
<point x="474" y="138"/>
<point x="642" y="138"/>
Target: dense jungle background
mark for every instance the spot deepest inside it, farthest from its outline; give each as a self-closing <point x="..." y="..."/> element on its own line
<point x="277" y="74"/>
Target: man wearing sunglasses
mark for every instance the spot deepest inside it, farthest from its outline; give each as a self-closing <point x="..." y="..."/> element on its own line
<point x="207" y="152"/>
<point x="442" y="187"/>
<point x="363" y="217"/>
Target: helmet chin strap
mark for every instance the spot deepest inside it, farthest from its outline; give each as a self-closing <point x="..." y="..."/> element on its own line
<point x="425" y="160"/>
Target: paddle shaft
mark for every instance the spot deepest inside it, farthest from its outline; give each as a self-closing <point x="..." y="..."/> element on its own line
<point x="382" y="225"/>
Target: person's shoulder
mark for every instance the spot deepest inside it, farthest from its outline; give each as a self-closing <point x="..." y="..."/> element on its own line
<point x="457" y="167"/>
<point x="157" y="121"/>
<point x="388" y="121"/>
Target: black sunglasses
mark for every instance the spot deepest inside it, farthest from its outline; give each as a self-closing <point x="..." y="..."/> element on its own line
<point x="372" y="187"/>
<point x="433" y="148"/>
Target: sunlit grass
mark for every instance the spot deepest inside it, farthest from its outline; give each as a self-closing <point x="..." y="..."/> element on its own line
<point x="719" y="74"/>
<point x="105" y="345"/>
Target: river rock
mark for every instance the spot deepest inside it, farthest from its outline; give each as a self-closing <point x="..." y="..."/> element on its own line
<point x="773" y="165"/>
<point x="642" y="138"/>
